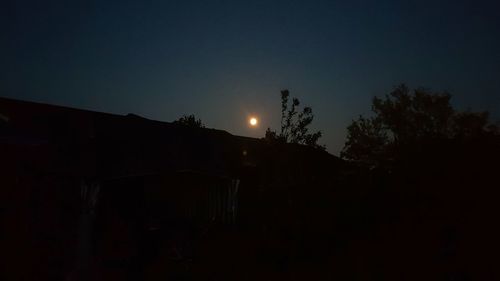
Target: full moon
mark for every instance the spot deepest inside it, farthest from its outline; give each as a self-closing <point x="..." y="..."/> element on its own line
<point x="253" y="121"/>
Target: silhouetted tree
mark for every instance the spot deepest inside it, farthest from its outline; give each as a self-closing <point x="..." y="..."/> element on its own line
<point x="405" y="119"/>
<point x="295" y="124"/>
<point x="366" y="140"/>
<point x="190" y="121"/>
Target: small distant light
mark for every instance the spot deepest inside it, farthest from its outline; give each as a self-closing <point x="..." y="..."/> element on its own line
<point x="253" y="121"/>
<point x="245" y="153"/>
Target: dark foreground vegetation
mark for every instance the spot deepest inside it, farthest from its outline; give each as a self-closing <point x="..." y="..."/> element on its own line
<point x="415" y="199"/>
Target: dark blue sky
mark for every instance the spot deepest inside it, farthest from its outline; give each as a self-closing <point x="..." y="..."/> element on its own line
<point x="223" y="60"/>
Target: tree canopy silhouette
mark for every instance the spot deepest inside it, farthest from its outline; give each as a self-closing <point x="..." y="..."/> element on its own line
<point x="190" y="121"/>
<point x="295" y="124"/>
<point x="405" y="119"/>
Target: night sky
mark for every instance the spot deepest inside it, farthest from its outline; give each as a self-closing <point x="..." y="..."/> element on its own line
<point x="225" y="60"/>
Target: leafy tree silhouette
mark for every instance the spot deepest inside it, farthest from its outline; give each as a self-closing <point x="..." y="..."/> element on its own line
<point x="405" y="120"/>
<point x="294" y="124"/>
<point x="190" y="121"/>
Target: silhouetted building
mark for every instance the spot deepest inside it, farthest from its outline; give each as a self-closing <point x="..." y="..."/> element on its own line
<point x="87" y="195"/>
